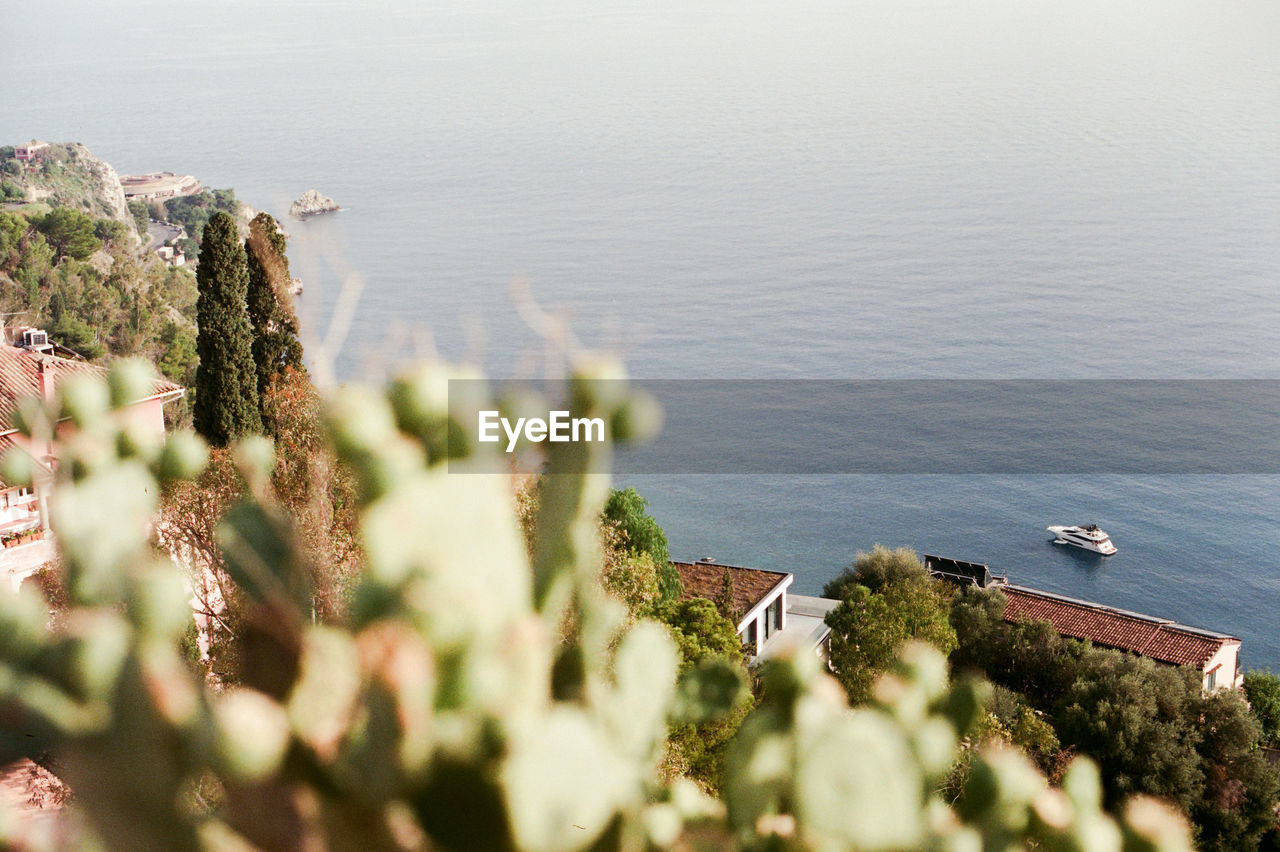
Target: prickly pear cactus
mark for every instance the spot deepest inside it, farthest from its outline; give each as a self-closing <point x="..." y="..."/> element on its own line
<point x="451" y="712"/>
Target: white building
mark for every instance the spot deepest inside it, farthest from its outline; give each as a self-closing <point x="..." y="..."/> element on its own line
<point x="770" y="618"/>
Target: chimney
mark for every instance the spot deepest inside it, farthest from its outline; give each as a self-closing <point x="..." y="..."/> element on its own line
<point x="45" y="373"/>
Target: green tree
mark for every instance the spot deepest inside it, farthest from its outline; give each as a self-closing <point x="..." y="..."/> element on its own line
<point x="141" y="215"/>
<point x="1148" y="726"/>
<point x="875" y="570"/>
<point x="1263" y="691"/>
<point x="868" y="629"/>
<point x="704" y="637"/>
<point x="1030" y="658"/>
<point x="700" y="631"/>
<point x="13" y="230"/>
<point x="725" y="601"/>
<point x="275" y="327"/>
<point x="226" y="403"/>
<point x="1241" y="785"/>
<point x="180" y="357"/>
<point x="1136" y="720"/>
<point x="628" y="511"/>
<point x="69" y="231"/>
<point x="110" y="230"/>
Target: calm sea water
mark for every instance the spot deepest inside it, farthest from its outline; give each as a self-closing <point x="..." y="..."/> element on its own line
<point x="889" y="189"/>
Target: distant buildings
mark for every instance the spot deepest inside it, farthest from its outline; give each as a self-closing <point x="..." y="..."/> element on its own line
<point x="33" y="150"/>
<point x="158" y="185"/>
<point x="171" y="255"/>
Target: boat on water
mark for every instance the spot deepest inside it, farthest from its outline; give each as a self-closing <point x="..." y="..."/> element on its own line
<point x="1086" y="537"/>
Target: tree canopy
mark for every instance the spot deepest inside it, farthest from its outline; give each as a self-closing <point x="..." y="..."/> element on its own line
<point x="628" y="511"/>
<point x="69" y="231"/>
<point x="700" y="631"/>
<point x="868" y="629"/>
<point x="875" y="570"/>
<point x="1262" y="688"/>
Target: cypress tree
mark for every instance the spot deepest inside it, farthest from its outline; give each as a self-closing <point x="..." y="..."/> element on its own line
<point x="725" y="598"/>
<point x="275" y="327"/>
<point x="226" y="403"/>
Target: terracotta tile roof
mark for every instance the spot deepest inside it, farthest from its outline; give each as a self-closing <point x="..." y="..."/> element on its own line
<point x="750" y="585"/>
<point x="20" y="371"/>
<point x="1157" y="638"/>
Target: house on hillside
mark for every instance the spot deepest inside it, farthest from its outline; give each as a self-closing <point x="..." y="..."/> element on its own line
<point x="1215" y="655"/>
<point x="770" y="617"/>
<point x="28" y="368"/>
<point x="31" y="151"/>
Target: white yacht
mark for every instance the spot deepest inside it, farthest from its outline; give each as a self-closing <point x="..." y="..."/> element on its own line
<point x="1088" y="538"/>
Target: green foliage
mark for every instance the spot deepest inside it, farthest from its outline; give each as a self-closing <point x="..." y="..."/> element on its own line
<point x="275" y="327"/>
<point x="443" y="714"/>
<point x="1148" y="726"/>
<point x="70" y="232"/>
<point x="725" y="601"/>
<point x="1025" y="727"/>
<point x="868" y="629"/>
<point x="875" y="570"/>
<point x="700" y="632"/>
<point x="110" y="230"/>
<point x="193" y="212"/>
<point x="226" y="403"/>
<point x="1030" y="659"/>
<point x="141" y="216"/>
<point x="1241" y="786"/>
<point x="75" y="334"/>
<point x="13" y="230"/>
<point x="180" y="356"/>
<point x="1133" y="718"/>
<point x="708" y="640"/>
<point x="628" y="511"/>
<point x="1262" y="688"/>
<point x="131" y="306"/>
<point x="10" y="191"/>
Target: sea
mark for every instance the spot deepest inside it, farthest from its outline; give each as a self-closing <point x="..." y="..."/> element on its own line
<point x="757" y="189"/>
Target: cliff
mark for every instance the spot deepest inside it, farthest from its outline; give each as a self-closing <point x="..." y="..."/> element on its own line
<point x="68" y="174"/>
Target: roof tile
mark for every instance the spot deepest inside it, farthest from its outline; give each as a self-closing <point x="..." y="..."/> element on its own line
<point x="20" y="377"/>
<point x="1152" y="637"/>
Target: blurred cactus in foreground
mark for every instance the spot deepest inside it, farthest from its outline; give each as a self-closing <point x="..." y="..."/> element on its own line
<point x="451" y="712"/>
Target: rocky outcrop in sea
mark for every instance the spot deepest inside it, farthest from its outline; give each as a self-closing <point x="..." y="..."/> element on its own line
<point x="312" y="203"/>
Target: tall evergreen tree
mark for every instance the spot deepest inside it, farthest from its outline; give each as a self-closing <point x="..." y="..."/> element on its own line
<point x="275" y="326"/>
<point x="725" y="599"/>
<point x="226" y="403"/>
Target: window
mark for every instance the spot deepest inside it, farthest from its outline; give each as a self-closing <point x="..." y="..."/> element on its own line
<point x="1211" y="680"/>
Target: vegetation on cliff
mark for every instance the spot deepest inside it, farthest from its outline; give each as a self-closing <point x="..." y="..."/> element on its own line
<point x="65" y="175"/>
